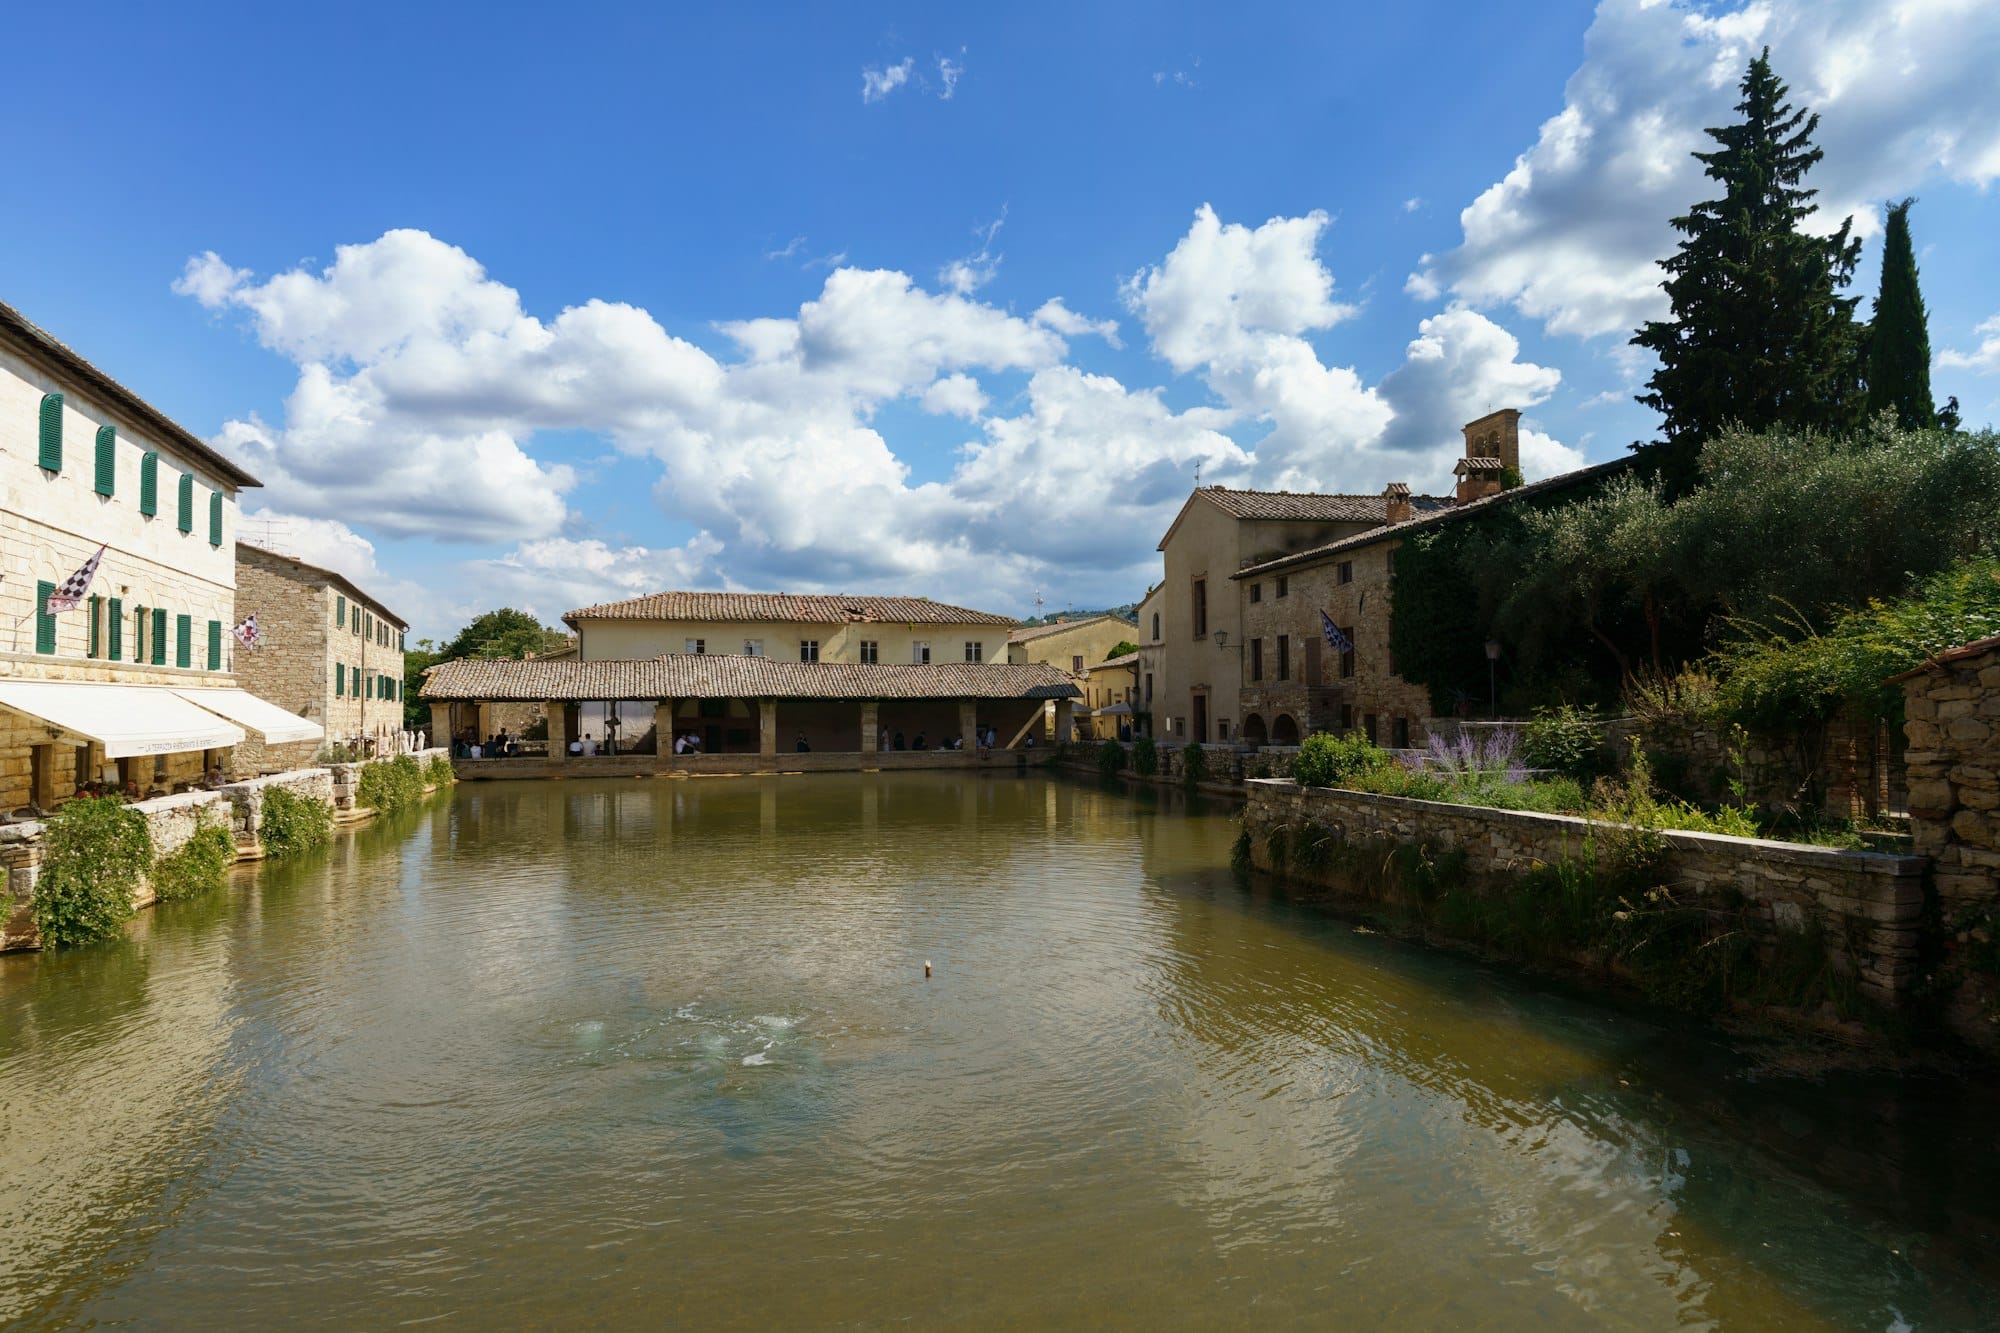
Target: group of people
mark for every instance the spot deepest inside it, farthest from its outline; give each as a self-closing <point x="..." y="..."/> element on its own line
<point x="497" y="746"/>
<point x="985" y="738"/>
<point x="689" y="742"/>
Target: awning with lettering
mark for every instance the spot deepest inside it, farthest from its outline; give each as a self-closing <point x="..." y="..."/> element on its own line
<point x="273" y="723"/>
<point x="125" y="719"/>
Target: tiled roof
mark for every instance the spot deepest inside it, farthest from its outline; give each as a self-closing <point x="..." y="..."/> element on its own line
<point x="1058" y="626"/>
<point x="787" y="608"/>
<point x="1447" y="513"/>
<point x="1466" y="465"/>
<point x="1301" y="507"/>
<point x="1396" y="488"/>
<point x="1113" y="663"/>
<point x="118" y="396"/>
<point x="720" y="676"/>
<point x="1959" y="654"/>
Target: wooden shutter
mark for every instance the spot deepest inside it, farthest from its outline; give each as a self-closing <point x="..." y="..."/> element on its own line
<point x="51" y="432"/>
<point x="187" y="502"/>
<point x="339" y="680"/>
<point x="159" y="636"/>
<point x="149" y="484"/>
<point x="183" y="641"/>
<point x="215" y="518"/>
<point x="340" y="608"/>
<point x="215" y="645"/>
<point x="107" y="459"/>
<point x="45" y="624"/>
<point x="115" y="621"/>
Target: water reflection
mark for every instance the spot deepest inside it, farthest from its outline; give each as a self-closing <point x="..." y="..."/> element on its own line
<point x="582" y="1052"/>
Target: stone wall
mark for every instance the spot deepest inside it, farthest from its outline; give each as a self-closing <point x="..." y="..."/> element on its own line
<point x="1859" y="773"/>
<point x="247" y="802"/>
<point x="1869" y="905"/>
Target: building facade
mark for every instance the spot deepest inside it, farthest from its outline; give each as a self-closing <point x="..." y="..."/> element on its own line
<point x="1073" y="647"/>
<point x="327" y="650"/>
<point x="790" y="628"/>
<point x="85" y="463"/>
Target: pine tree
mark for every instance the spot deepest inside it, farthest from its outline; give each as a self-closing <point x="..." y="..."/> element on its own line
<point x="1760" y="335"/>
<point x="1899" y="342"/>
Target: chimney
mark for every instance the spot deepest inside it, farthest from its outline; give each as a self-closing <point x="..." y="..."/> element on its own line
<point x="1396" y="507"/>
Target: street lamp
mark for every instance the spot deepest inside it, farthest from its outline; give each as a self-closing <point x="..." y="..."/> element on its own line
<point x="1493" y="678"/>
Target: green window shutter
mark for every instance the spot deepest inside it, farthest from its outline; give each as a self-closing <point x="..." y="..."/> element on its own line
<point x="369" y="687"/>
<point x="51" y="432"/>
<point x="340" y="608"/>
<point x="215" y="518"/>
<point x="339" y="680"/>
<point x="187" y="502"/>
<point x="45" y="624"/>
<point x="149" y="484"/>
<point x="368" y="621"/>
<point x="96" y="633"/>
<point x="107" y="459"/>
<point x="183" y="641"/>
<point x="115" y="619"/>
<point x="159" y="636"/>
<point x="215" y="645"/>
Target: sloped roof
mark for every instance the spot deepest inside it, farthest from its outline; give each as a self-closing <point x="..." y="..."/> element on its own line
<point x="786" y="608"/>
<point x="1298" y="506"/>
<point x="1447" y="514"/>
<point x="723" y="676"/>
<point x="116" y="395"/>
<point x="354" y="593"/>
<point x="1939" y="660"/>
<point x="1466" y="465"/>
<point x="1059" y="626"/>
<point x="1114" y="663"/>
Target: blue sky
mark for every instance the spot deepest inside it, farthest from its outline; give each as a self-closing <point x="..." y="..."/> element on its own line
<point x="513" y="305"/>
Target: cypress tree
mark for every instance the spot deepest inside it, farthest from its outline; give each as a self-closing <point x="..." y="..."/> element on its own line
<point x="1760" y="335"/>
<point x="1899" y="343"/>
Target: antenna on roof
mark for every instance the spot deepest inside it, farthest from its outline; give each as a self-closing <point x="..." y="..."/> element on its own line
<point x="1197" y="474"/>
<point x="1038" y="603"/>
<point x="264" y="533"/>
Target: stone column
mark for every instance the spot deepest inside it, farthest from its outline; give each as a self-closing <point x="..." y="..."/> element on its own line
<point x="442" y="732"/>
<point x="968" y="723"/>
<point x="767" y="726"/>
<point x="871" y="723"/>
<point x="663" y="728"/>
<point x="558" y="716"/>
<point x="1063" y="720"/>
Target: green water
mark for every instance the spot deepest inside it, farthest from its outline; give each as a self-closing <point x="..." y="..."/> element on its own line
<point x="640" y="1053"/>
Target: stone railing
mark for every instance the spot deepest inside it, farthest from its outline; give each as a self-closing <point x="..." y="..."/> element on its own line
<point x="1868" y="905"/>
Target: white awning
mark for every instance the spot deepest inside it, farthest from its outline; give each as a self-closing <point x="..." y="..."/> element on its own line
<point x="273" y="723"/>
<point x="125" y="719"/>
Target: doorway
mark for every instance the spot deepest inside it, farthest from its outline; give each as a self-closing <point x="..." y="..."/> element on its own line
<point x="1201" y="719"/>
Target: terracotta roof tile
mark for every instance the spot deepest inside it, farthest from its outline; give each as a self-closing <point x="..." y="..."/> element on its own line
<point x="789" y="608"/>
<point x="720" y="676"/>
<point x="1028" y="632"/>
<point x="1298" y="506"/>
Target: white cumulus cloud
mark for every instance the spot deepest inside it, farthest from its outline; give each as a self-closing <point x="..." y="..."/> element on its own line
<point x="1983" y="359"/>
<point x="878" y="81"/>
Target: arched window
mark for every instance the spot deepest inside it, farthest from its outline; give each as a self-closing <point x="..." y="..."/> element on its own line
<point x="1156" y="627"/>
<point x="51" y="432"/>
<point x="107" y="459"/>
<point x="149" y="484"/>
<point x="1284" y="731"/>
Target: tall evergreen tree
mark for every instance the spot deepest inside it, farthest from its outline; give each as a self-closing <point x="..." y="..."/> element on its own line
<point x="1760" y="335"/>
<point x="1899" y="342"/>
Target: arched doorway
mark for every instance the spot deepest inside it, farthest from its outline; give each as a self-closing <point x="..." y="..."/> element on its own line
<point x="1253" y="730"/>
<point x="1284" y="731"/>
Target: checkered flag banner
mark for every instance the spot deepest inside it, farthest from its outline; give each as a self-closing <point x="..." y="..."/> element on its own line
<point x="70" y="595"/>
<point x="246" y="633"/>
<point x="1335" y="640"/>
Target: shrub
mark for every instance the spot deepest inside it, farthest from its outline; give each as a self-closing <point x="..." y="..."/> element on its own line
<point x="293" y="823"/>
<point x="1145" y="757"/>
<point x="1657" y="698"/>
<point x="1194" y="765"/>
<point x="1110" y="758"/>
<point x="201" y="865"/>
<point x="339" y="754"/>
<point x="1329" y="761"/>
<point x="1564" y="740"/>
<point x="94" y="852"/>
<point x="438" y="772"/>
<point x="390" y="785"/>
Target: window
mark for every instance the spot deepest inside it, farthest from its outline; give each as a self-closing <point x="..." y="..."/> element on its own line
<point x="1284" y="586"/>
<point x="368" y="688"/>
<point x="139" y="622"/>
<point x="1256" y="592"/>
<point x="340" y="680"/>
<point x="697" y="645"/>
<point x="215" y="518"/>
<point x="1346" y="718"/>
<point x="96" y="630"/>
<point x="1076" y="665"/>
<point x="1399" y="733"/>
<point x="1256" y="659"/>
<point x="1222" y="730"/>
<point x="367" y="622"/>
<point x="753" y="647"/>
<point x="1156" y="627"/>
<point x="215" y="645"/>
<point x="51" y="432"/>
<point x="1200" y="602"/>
<point x="159" y="657"/>
<point x="107" y="459"/>
<point x="149" y="484"/>
<point x="1149" y="687"/>
<point x="1284" y="657"/>
<point x="340" y="610"/>
<point x="920" y="653"/>
<point x="975" y="651"/>
<point x="809" y="650"/>
<point x="354" y="619"/>
<point x="1347" y="657"/>
<point x="45" y="624"/>
<point x="1344" y="571"/>
<point x="1392" y="564"/>
<point x="186" y="497"/>
<point x="871" y="650"/>
<point x="183" y="641"/>
<point x="114" y="618"/>
<point x="1368" y="727"/>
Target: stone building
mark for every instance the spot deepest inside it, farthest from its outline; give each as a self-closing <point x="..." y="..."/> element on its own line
<point x="789" y="628"/>
<point x="1110" y="694"/>
<point x="327" y="651"/>
<point x="1074" y="647"/>
<point x="134" y="685"/>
